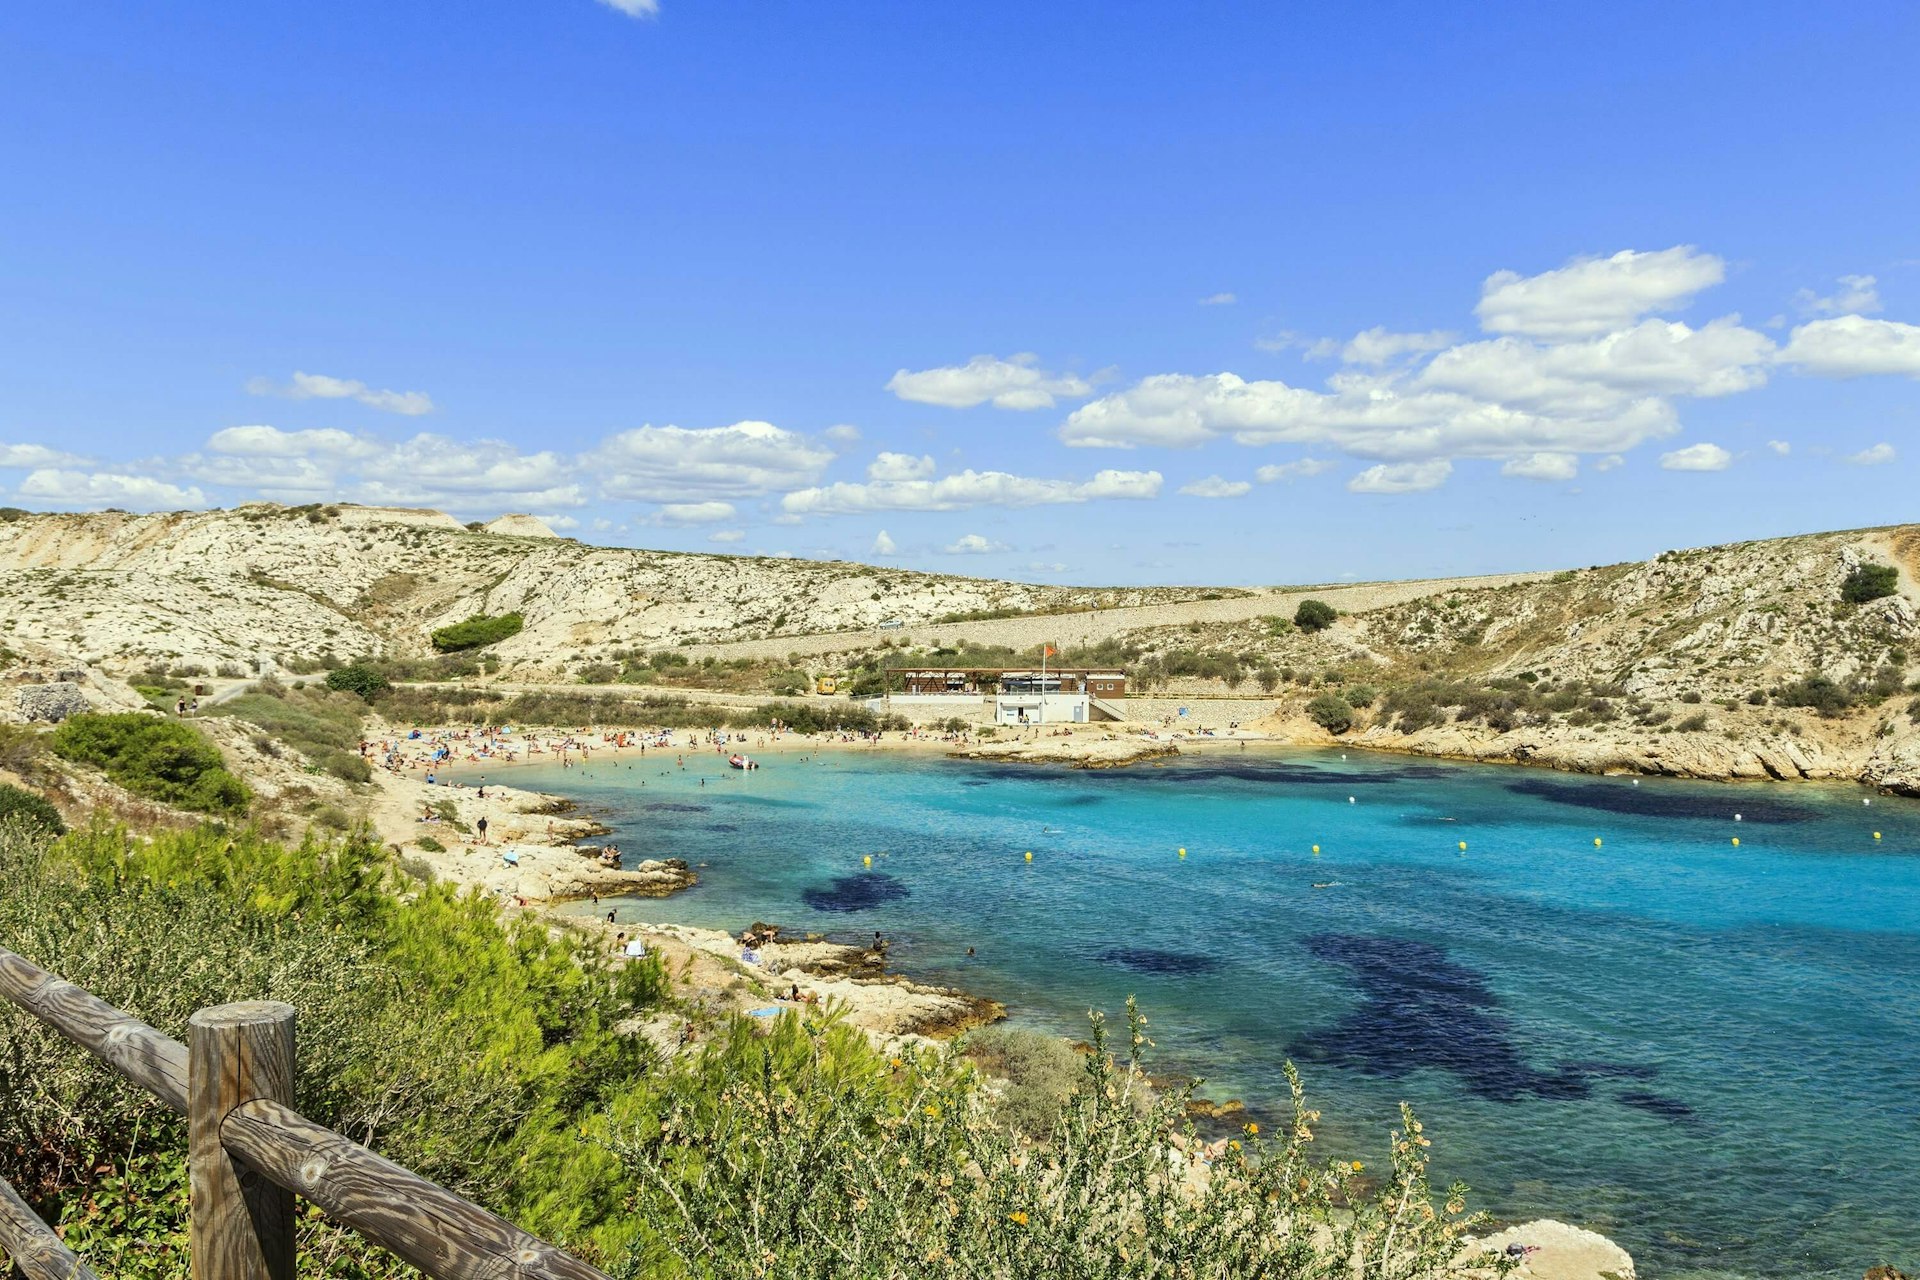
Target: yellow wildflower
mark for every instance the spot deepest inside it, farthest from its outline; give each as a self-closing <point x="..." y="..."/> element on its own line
<point x="1357" y="1166"/>
<point x="1017" y="1218"/>
<point x="1253" y="1129"/>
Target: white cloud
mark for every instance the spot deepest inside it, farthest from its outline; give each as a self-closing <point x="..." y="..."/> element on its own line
<point x="1543" y="466"/>
<point x="883" y="545"/>
<point x="1378" y="417"/>
<point x="967" y="489"/>
<point x="1377" y="346"/>
<point x="1854" y="346"/>
<point x="696" y="512"/>
<point x="669" y="464"/>
<point x="1780" y="447"/>
<point x="900" y="466"/>
<point x="1014" y="383"/>
<point x="973" y="544"/>
<point x="1288" y="470"/>
<point x="1591" y="296"/>
<point x="1697" y="457"/>
<point x="842" y="433"/>
<point x="271" y="442"/>
<point x="1219" y="300"/>
<point x="1577" y="367"/>
<point x="635" y="8"/>
<point x="1215" y="487"/>
<point x="1857" y="295"/>
<point x="108" y="489"/>
<point x="1044" y="566"/>
<point x="1874" y="456"/>
<point x="1402" y="477"/>
<point x="558" y="523"/>
<point x="1610" y="462"/>
<point x="1284" y="340"/>
<point x="318" y="386"/>
<point x="24" y="456"/>
<point x="1598" y="376"/>
<point x="726" y="535"/>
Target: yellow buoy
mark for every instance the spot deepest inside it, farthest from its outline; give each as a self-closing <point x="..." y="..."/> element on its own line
<point x="1316" y="848"/>
<point x="1463" y="846"/>
<point x="1736" y="842"/>
<point x="1029" y="855"/>
<point x="868" y="860"/>
<point x="1183" y="853"/>
<point x="1596" y="842"/>
<point x="1876" y="835"/>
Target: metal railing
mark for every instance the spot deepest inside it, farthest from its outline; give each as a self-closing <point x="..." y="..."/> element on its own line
<point x="249" y="1153"/>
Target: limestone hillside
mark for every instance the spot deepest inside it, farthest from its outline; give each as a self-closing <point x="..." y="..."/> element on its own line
<point x="308" y="585"/>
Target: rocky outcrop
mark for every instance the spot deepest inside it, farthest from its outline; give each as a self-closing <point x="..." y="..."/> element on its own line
<point x="1080" y="753"/>
<point x="1550" y="1250"/>
<point x="651" y="879"/>
<point x="519" y="526"/>
<point x="50" y="702"/>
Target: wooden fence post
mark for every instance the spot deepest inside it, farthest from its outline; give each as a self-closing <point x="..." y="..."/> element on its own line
<point x="241" y="1225"/>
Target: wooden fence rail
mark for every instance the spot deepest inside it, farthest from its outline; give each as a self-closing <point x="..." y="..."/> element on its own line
<point x="249" y="1153"/>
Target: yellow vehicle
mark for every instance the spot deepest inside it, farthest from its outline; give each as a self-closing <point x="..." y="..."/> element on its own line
<point x="826" y="684"/>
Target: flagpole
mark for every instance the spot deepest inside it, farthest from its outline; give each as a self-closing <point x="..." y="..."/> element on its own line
<point x="1044" y="648"/>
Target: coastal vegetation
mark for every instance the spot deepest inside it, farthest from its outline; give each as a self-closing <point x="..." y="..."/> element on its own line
<point x="1314" y="615"/>
<point x="154" y="758"/>
<point x="477" y="632"/>
<point x="1870" y="582"/>
<point x="17" y="804"/>
<point x="323" y="726"/>
<point x="500" y="1058"/>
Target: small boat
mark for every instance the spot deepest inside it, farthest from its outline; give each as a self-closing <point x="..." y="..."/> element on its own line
<point x="739" y="761"/>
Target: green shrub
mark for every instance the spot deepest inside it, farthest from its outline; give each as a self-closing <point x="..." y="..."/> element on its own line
<point x="317" y="724"/>
<point x="1314" y="615"/>
<point x="430" y="844"/>
<point x="348" y="766"/>
<point x="818" y="1164"/>
<point x="599" y="673"/>
<point x="17" y="804"/>
<point x="477" y="632"/>
<point x="362" y="678"/>
<point x="1818" y="692"/>
<point x="1035" y="1073"/>
<point x="789" y="683"/>
<point x="162" y="760"/>
<point x="1331" y="712"/>
<point x="1870" y="582"/>
<point x="1360" y="695"/>
<point x="1693" y="723"/>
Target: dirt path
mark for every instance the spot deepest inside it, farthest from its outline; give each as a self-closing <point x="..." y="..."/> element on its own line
<point x="1096" y="625"/>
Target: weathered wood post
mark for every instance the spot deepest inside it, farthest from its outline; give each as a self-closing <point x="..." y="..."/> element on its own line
<point x="241" y="1225"/>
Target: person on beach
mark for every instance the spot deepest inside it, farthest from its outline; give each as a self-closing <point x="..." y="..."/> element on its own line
<point x="481" y="827"/>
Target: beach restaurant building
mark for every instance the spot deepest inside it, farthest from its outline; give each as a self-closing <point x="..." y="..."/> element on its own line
<point x="1015" y="696"/>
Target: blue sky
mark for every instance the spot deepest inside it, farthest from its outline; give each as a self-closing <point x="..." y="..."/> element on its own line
<point x="1110" y="292"/>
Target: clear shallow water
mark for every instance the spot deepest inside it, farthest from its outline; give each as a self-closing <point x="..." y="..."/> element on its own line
<point x="1710" y="1053"/>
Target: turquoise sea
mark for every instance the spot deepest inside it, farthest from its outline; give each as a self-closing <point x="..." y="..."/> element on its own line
<point x="1709" y="1052"/>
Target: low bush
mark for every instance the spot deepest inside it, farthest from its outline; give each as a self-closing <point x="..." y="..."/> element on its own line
<point x="1870" y="582"/>
<point x="1331" y="712"/>
<point x="477" y="632"/>
<point x="818" y="1164"/>
<point x="1314" y="615"/>
<point x="1821" y="694"/>
<point x="17" y="804"/>
<point x="159" y="759"/>
<point x="1033" y="1074"/>
<point x="1360" y="695"/>
<point x="362" y="678"/>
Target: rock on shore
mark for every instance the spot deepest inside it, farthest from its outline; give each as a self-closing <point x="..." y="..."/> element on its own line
<point x="1562" y="1252"/>
<point x="1081" y="753"/>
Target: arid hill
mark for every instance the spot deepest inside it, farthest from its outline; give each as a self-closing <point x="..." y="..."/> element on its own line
<point x="304" y="585"/>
